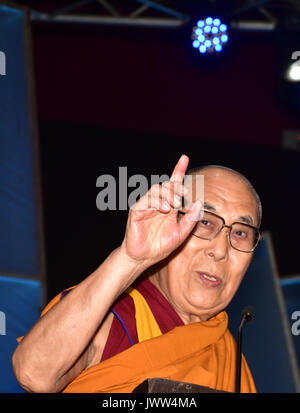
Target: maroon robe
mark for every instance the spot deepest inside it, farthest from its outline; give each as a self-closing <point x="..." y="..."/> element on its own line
<point x="163" y="312"/>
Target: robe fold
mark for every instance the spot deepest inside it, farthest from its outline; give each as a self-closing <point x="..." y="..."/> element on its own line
<point x="148" y="340"/>
<point x="202" y="353"/>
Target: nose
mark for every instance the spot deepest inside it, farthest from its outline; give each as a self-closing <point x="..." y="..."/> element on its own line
<point x="217" y="248"/>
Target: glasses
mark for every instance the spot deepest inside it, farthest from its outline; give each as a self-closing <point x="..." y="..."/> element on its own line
<point x="242" y="237"/>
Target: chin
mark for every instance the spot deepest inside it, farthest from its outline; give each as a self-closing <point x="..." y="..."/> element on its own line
<point x="210" y="307"/>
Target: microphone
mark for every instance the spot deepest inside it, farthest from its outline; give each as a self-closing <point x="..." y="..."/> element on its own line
<point x="247" y="315"/>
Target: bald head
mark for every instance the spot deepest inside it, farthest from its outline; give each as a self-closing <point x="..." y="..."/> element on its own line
<point x="223" y="171"/>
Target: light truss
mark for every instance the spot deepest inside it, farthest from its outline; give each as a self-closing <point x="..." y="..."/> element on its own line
<point x="167" y="16"/>
<point x="164" y="16"/>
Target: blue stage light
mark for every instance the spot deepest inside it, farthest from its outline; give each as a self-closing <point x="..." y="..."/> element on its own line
<point x="224" y="38"/>
<point x="209" y="35"/>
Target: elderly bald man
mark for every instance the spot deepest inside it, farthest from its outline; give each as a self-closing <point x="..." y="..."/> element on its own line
<point x="155" y="306"/>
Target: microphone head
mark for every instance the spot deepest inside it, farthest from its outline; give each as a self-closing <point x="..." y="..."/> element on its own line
<point x="248" y="313"/>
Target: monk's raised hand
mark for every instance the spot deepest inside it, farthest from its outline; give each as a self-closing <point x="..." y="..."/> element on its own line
<point x="153" y="230"/>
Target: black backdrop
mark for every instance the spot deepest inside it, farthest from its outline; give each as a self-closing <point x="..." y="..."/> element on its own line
<point x="79" y="236"/>
<point x="136" y="97"/>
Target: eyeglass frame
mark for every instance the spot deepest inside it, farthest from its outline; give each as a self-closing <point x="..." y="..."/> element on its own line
<point x="230" y="229"/>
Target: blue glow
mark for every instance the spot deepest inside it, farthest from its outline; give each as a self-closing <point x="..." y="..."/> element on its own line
<point x="10" y="10"/>
<point x="4" y="278"/>
<point x="210" y="35"/>
<point x="290" y="281"/>
<point x="224" y="38"/>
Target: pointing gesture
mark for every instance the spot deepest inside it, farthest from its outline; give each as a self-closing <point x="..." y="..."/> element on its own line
<point x="153" y="230"/>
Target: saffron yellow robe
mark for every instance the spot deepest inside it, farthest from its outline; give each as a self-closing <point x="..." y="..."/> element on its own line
<point x="202" y="353"/>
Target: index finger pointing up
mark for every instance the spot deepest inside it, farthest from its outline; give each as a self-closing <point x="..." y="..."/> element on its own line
<point x="180" y="169"/>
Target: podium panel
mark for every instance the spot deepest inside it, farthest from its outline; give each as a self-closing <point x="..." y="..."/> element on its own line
<point x="20" y="305"/>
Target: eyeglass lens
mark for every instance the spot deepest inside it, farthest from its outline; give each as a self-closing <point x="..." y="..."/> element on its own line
<point x="242" y="236"/>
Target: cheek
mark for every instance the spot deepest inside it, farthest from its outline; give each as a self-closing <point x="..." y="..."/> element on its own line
<point x="179" y="266"/>
<point x="182" y="263"/>
<point x="237" y="268"/>
<point x="182" y="259"/>
<point x="239" y="262"/>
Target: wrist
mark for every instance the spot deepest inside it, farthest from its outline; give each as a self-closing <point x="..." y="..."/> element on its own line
<point x="131" y="264"/>
<point x="117" y="273"/>
<point x="126" y="267"/>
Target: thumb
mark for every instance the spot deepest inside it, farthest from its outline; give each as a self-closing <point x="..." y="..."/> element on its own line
<point x="190" y="219"/>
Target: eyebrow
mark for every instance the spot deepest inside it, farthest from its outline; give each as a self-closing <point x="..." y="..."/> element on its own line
<point x="244" y="218"/>
<point x="209" y="207"/>
<point x="247" y="219"/>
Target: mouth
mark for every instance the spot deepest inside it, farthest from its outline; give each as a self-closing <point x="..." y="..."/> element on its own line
<point x="209" y="279"/>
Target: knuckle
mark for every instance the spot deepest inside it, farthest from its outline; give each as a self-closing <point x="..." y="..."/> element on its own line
<point x="155" y="189"/>
<point x="166" y="184"/>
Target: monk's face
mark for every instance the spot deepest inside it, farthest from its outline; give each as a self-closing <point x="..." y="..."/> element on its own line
<point x="181" y="280"/>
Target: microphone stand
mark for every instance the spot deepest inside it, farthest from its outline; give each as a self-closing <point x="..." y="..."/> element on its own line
<point x="248" y="314"/>
<point x="239" y="357"/>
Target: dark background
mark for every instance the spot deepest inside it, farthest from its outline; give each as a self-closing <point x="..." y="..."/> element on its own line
<point x="110" y="97"/>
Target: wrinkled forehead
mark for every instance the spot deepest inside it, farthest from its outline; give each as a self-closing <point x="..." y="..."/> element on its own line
<point x="222" y="189"/>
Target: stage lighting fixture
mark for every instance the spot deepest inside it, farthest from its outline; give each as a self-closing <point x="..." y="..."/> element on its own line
<point x="293" y="72"/>
<point x="209" y="35"/>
